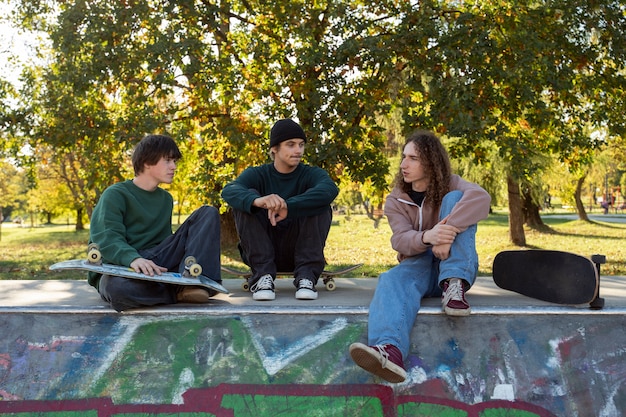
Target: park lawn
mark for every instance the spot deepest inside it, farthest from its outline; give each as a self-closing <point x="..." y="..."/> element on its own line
<point x="26" y="253"/>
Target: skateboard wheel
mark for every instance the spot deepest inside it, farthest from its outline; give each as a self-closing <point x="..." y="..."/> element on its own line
<point x="94" y="256"/>
<point x="330" y="285"/>
<point x="245" y="286"/>
<point x="189" y="261"/>
<point x="195" y="270"/>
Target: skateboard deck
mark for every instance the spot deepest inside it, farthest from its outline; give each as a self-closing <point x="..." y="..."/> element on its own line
<point x="548" y="275"/>
<point x="122" y="271"/>
<point x="326" y="276"/>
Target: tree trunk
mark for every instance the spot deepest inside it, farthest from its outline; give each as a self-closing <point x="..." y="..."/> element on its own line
<point x="516" y="214"/>
<point x="79" y="219"/>
<point x="580" y="207"/>
<point x="374" y="213"/>
<point x="229" y="234"/>
<point x="531" y="210"/>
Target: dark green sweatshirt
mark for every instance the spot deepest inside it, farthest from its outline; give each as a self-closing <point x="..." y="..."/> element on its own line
<point x="127" y="219"/>
<point x="307" y="190"/>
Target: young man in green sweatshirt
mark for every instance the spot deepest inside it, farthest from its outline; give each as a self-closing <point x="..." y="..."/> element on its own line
<point x="132" y="225"/>
<point x="283" y="215"/>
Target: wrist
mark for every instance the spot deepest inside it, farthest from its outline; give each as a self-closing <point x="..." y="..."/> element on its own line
<point x="423" y="239"/>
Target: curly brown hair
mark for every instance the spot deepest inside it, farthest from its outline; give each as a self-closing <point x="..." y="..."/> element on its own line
<point x="434" y="158"/>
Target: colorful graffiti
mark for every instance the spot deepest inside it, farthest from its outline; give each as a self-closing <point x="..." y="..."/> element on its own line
<point x="292" y="365"/>
<point x="290" y="400"/>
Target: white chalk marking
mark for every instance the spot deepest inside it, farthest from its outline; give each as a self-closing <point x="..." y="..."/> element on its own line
<point x="275" y="362"/>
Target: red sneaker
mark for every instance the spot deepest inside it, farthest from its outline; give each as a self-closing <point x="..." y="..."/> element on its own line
<point x="384" y="361"/>
<point x="453" y="298"/>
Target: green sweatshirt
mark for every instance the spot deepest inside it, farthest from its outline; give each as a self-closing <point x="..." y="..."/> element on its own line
<point x="307" y="190"/>
<point x="128" y="219"/>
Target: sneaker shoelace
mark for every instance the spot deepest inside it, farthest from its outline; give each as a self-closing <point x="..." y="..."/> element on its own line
<point x="305" y="284"/>
<point x="264" y="283"/>
<point x="454" y="292"/>
<point x="384" y="355"/>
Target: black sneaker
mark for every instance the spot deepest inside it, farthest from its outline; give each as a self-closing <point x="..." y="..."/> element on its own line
<point x="263" y="289"/>
<point x="306" y="290"/>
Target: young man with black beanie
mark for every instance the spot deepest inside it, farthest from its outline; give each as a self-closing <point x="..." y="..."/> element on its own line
<point x="283" y="215"/>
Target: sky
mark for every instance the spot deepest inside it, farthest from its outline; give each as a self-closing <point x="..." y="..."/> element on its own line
<point x="12" y="43"/>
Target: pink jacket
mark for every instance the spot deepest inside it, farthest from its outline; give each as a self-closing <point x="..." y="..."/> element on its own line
<point x="408" y="221"/>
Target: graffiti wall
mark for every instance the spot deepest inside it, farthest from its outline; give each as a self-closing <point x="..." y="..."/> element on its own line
<point x="296" y="365"/>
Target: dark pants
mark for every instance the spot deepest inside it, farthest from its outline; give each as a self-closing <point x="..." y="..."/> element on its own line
<point x="292" y="245"/>
<point x="198" y="236"/>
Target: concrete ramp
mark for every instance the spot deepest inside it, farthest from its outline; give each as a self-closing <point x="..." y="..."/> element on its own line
<point x="64" y="353"/>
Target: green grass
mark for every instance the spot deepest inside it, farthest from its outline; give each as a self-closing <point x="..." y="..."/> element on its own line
<point x="26" y="253"/>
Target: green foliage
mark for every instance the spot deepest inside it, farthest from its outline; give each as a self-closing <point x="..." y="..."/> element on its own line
<point x="13" y="189"/>
<point x="514" y="73"/>
<point x="512" y="85"/>
<point x="522" y="76"/>
<point x="216" y="76"/>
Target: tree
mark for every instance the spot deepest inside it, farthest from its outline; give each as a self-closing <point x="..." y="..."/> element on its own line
<point x="532" y="80"/>
<point x="13" y="189"/>
<point x="217" y="74"/>
<point x="515" y="74"/>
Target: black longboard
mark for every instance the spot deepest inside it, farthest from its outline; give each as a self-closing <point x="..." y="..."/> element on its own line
<point x="549" y="275"/>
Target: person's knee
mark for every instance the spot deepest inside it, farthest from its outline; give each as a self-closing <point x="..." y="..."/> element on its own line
<point x="449" y="201"/>
<point x="453" y="196"/>
<point x="209" y="211"/>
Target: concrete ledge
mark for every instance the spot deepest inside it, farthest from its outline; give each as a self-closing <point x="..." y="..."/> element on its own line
<point x="63" y="349"/>
<point x="352" y="296"/>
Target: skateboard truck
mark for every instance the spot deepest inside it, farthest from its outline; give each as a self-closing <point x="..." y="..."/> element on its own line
<point x="597" y="303"/>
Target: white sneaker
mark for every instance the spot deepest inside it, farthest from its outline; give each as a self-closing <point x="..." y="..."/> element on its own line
<point x="263" y="289"/>
<point x="306" y="290"/>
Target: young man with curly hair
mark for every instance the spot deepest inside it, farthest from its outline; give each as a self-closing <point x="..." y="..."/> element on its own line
<point x="433" y="215"/>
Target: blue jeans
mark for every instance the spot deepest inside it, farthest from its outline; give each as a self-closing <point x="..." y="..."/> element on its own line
<point x="198" y="236"/>
<point x="399" y="291"/>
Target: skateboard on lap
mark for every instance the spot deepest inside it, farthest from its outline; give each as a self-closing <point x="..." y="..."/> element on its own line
<point x="191" y="276"/>
<point x="326" y="276"/>
<point x="548" y="275"/>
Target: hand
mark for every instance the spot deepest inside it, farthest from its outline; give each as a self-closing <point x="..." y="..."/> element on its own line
<point x="441" y="234"/>
<point x="272" y="202"/>
<point x="442" y="251"/>
<point x="276" y="207"/>
<point x="147" y="267"/>
<point x="276" y="216"/>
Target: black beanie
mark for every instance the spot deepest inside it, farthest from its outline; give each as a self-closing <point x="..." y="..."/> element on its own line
<point x="285" y="129"/>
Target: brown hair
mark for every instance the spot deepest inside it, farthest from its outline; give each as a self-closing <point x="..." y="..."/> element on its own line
<point x="151" y="149"/>
<point x="434" y="158"/>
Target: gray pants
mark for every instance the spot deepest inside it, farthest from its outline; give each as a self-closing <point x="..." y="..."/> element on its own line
<point x="198" y="236"/>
